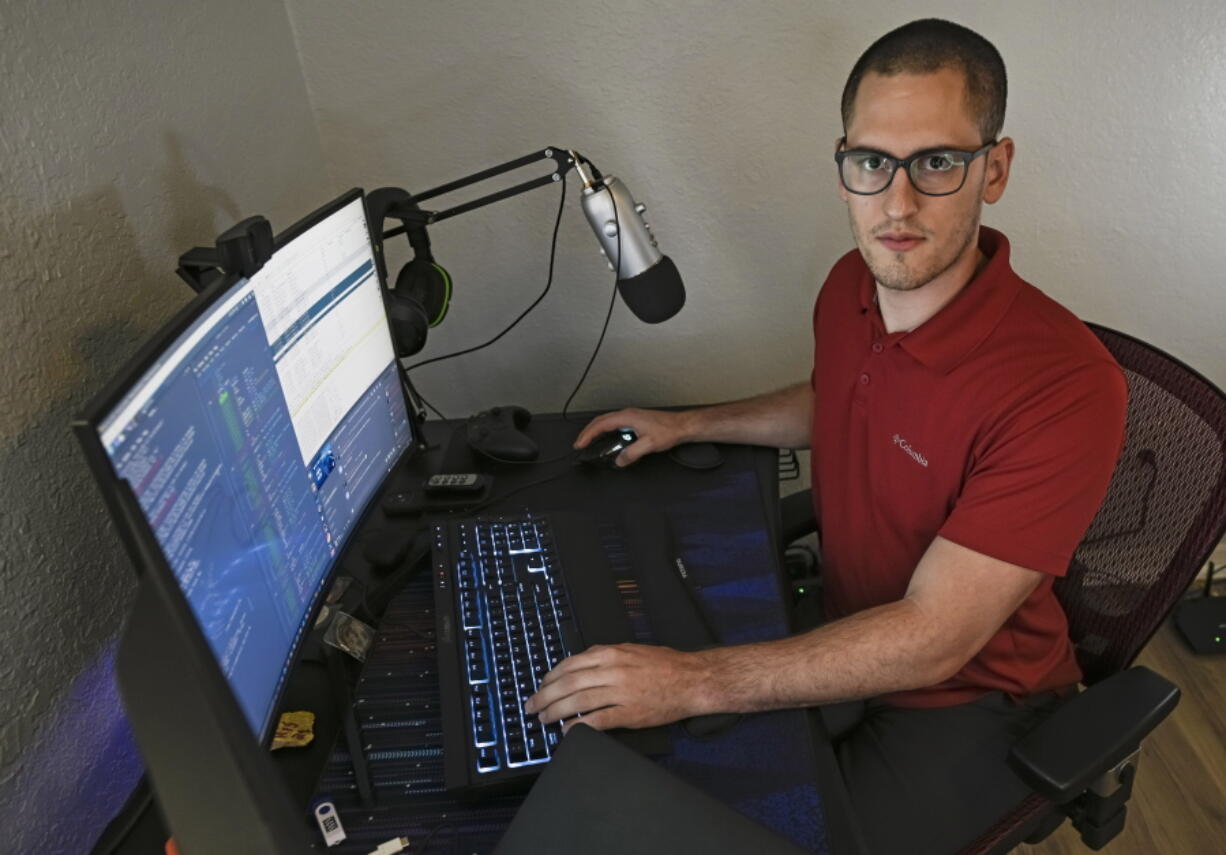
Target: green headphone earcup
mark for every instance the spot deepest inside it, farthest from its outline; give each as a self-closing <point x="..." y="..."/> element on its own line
<point x="430" y="285"/>
<point x="436" y="310"/>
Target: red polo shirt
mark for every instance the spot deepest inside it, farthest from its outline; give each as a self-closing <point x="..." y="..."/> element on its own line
<point x="995" y="424"/>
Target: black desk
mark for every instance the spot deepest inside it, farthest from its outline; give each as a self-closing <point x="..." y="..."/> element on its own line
<point x="725" y="521"/>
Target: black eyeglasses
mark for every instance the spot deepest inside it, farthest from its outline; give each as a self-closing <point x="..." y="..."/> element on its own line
<point x="933" y="172"/>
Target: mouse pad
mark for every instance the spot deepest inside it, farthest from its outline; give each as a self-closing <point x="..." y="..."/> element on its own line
<point x="765" y="765"/>
<point x="598" y="797"/>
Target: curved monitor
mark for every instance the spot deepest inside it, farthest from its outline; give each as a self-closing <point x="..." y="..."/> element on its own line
<point x="254" y="432"/>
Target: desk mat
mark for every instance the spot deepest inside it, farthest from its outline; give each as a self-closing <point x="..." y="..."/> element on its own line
<point x="767" y="771"/>
<point x="763" y="766"/>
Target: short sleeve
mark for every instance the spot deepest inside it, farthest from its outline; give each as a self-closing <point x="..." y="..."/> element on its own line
<point x="1037" y="481"/>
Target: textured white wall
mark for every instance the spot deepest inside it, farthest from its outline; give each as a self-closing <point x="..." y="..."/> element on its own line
<point x="721" y="116"/>
<point x="129" y="132"/>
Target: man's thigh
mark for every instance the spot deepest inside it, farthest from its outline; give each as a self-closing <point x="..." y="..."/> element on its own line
<point x="931" y="780"/>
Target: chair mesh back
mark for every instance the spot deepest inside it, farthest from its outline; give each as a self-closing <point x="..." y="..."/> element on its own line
<point x="1164" y="511"/>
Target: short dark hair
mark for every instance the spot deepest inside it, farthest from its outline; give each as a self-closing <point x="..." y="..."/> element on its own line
<point x="929" y="45"/>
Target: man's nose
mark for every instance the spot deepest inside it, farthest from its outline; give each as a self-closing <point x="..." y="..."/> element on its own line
<point x="901" y="197"/>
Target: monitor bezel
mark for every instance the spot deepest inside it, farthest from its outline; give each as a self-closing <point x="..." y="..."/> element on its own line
<point x="114" y="488"/>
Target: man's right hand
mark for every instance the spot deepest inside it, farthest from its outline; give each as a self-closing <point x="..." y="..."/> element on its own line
<point x="657" y="430"/>
<point x="783" y="419"/>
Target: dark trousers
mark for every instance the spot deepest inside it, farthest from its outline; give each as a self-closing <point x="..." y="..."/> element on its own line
<point x="929" y="781"/>
<point x="924" y="781"/>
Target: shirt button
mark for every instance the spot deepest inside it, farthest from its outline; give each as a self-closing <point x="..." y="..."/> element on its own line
<point x="863" y="379"/>
<point x="878" y="347"/>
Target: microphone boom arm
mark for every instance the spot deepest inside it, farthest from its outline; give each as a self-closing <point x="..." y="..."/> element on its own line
<point x="563" y="159"/>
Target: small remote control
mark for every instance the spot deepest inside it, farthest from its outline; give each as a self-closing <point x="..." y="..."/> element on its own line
<point x="457" y="484"/>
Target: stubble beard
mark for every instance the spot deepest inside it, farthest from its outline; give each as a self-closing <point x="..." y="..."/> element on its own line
<point x="891" y="269"/>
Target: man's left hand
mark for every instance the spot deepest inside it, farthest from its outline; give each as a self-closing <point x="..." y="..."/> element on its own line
<point x="623" y="685"/>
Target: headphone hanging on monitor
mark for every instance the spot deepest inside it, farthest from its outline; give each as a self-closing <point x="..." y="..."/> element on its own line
<point x="421" y="297"/>
<point x="422" y="293"/>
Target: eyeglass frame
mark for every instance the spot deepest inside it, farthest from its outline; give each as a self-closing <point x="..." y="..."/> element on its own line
<point x="905" y="163"/>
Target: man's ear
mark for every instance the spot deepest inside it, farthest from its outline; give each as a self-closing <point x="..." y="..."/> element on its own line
<point x="999" y="160"/>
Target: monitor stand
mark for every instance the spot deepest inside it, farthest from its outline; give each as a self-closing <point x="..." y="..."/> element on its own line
<point x="217" y="788"/>
<point x="216" y="785"/>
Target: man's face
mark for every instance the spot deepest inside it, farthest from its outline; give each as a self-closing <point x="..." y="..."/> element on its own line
<point x="908" y="239"/>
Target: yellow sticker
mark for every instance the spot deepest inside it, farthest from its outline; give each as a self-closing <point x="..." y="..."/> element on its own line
<point x="294" y="730"/>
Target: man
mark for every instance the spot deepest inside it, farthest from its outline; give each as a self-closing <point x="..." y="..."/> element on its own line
<point x="963" y="428"/>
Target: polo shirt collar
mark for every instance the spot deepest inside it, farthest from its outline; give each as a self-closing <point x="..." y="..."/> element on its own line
<point x="950" y="335"/>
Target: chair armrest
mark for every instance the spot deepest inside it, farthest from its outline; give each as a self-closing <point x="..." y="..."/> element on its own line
<point x="796" y="517"/>
<point x="1092" y="733"/>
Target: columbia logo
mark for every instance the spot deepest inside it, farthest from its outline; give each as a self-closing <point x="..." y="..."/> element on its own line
<point x="914" y="455"/>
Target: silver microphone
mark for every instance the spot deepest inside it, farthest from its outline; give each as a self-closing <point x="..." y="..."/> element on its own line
<point x="646" y="278"/>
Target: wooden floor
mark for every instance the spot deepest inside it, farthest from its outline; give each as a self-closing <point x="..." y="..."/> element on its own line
<point x="1178" y="804"/>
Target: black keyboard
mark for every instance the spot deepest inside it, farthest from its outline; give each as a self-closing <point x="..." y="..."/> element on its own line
<point x="503" y="619"/>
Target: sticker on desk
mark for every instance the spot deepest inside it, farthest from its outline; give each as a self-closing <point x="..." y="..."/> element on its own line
<point x="349" y="634"/>
<point x="294" y="730"/>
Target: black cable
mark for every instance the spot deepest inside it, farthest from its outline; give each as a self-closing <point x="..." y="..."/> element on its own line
<point x="410" y="567"/>
<point x="563" y="456"/>
<point x="411" y="396"/>
<point x="509" y="493"/>
<point x="426" y="841"/>
<point x="430" y="406"/>
<point x="617" y="268"/>
<point x="378" y="619"/>
<point x="553" y="253"/>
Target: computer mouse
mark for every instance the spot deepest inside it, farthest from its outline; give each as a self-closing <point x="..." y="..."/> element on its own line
<point x="697" y="455"/>
<point x="603" y="450"/>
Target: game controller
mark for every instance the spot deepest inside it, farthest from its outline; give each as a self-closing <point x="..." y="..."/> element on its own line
<point x="498" y="434"/>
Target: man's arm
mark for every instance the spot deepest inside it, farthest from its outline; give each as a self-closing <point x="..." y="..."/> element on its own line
<point x="782" y="418"/>
<point x="956" y="601"/>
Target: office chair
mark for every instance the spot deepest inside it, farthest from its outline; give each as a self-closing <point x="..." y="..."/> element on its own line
<point x="1164" y="512"/>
